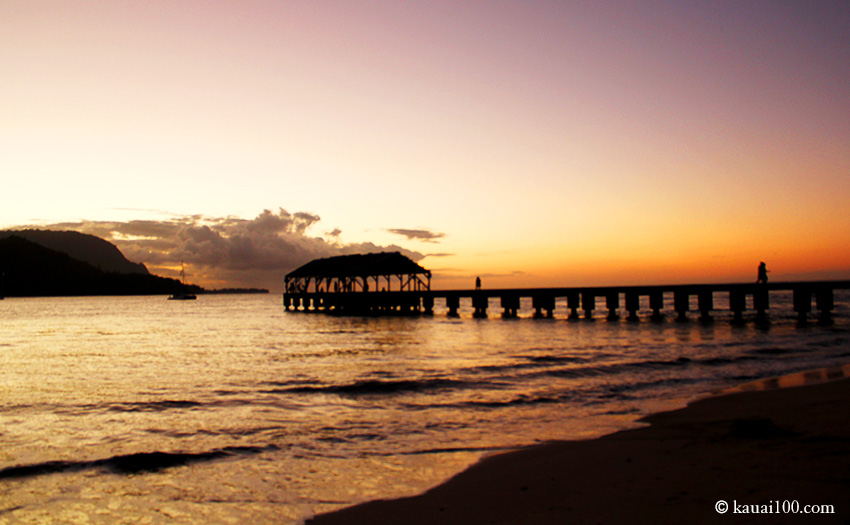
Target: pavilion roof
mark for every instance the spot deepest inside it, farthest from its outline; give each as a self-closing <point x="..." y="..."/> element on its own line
<point x="359" y="265"/>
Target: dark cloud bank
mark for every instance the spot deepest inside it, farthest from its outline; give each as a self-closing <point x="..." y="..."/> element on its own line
<point x="231" y="251"/>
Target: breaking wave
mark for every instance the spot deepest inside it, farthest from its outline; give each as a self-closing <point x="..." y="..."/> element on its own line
<point x="375" y="387"/>
<point x="131" y="463"/>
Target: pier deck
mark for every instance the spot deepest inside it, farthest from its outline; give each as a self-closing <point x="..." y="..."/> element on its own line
<point x="630" y="300"/>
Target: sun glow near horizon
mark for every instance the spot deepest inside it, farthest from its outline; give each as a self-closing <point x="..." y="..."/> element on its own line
<point x="549" y="144"/>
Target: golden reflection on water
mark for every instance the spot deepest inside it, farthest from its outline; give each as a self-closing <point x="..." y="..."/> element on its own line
<point x="341" y="409"/>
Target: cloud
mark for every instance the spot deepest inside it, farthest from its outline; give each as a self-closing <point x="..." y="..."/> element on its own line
<point x="418" y="235"/>
<point x="227" y="251"/>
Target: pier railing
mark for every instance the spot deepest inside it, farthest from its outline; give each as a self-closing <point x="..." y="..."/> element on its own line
<point x="582" y="301"/>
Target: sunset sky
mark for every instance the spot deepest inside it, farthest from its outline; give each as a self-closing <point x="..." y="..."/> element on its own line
<point x="532" y="143"/>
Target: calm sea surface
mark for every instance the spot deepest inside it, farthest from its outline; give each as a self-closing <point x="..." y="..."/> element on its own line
<point x="229" y="409"/>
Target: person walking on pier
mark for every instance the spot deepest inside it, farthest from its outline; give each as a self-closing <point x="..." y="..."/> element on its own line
<point x="478" y="283"/>
<point x="762" y="278"/>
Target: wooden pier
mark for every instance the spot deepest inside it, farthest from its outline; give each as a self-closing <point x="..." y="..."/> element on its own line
<point x="695" y="300"/>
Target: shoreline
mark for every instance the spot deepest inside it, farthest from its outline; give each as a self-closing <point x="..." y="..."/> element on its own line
<point x="755" y="446"/>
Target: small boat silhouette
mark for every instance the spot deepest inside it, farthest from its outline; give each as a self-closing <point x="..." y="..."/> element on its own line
<point x="182" y="295"/>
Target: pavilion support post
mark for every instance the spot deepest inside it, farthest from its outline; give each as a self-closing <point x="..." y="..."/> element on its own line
<point x="332" y="302"/>
<point x="410" y="304"/>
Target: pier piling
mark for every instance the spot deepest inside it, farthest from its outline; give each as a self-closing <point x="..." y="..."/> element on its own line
<point x="428" y="304"/>
<point x="479" y="304"/>
<point x="656" y="304"/>
<point x="612" y="302"/>
<point x="705" y="300"/>
<point x="588" y="304"/>
<point x="453" y="303"/>
<point x="543" y="302"/>
<point x="802" y="303"/>
<point x="682" y="304"/>
<point x="573" y="305"/>
<point x="510" y="305"/>
<point x="761" y="302"/>
<point x="632" y="305"/>
<point x="737" y="303"/>
<point x="825" y="302"/>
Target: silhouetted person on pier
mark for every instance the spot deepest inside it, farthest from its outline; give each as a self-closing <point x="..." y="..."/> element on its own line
<point x="762" y="279"/>
<point x="478" y="283"/>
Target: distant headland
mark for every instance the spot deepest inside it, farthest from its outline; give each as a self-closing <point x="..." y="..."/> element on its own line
<point x="42" y="263"/>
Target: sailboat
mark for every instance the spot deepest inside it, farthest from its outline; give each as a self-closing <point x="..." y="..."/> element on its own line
<point x="182" y="295"/>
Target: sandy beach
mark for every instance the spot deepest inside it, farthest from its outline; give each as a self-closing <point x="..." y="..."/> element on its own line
<point x="758" y="453"/>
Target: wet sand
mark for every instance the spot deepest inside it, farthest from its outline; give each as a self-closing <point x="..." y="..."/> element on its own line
<point x="777" y="444"/>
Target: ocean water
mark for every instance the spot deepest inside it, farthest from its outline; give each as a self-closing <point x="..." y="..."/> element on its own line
<point x="229" y="409"/>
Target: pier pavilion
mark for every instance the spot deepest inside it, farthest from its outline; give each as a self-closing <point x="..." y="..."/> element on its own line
<point x="384" y="282"/>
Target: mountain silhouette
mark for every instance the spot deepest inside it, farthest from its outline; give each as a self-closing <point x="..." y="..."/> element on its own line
<point x="30" y="270"/>
<point x="82" y="247"/>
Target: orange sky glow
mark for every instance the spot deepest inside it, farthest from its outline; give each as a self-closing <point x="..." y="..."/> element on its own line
<point x="533" y="144"/>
